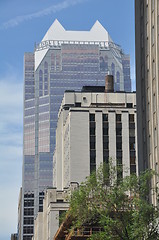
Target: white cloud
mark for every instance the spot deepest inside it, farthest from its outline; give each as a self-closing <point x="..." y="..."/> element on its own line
<point x="52" y="9"/>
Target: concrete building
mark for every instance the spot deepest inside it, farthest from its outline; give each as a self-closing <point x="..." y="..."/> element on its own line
<point x="63" y="60"/>
<point x="93" y="127"/>
<point x="147" y="70"/>
<point x="47" y="222"/>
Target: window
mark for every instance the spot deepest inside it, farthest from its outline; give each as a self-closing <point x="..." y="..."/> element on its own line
<point x="118" y="117"/>
<point x="28" y="220"/>
<point x="92" y="131"/>
<point x="92" y="145"/>
<point x="27" y="229"/>
<point x="132" y="146"/>
<point x="131" y="117"/>
<point x="106" y="145"/>
<point x="132" y="160"/>
<point x="129" y="105"/>
<point x="105" y="117"/>
<point x="40" y="208"/>
<point x="105" y="131"/>
<point x="119" y="145"/>
<point x="92" y="117"/>
<point x="119" y="131"/>
<point x="77" y="104"/>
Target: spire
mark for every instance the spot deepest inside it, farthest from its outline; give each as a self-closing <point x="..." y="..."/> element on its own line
<point x="98" y="27"/>
<point x="55" y="29"/>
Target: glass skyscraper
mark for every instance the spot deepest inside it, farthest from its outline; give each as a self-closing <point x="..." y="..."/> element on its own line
<point x="64" y="60"/>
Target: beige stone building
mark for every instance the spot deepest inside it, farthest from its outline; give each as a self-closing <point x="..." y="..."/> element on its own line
<point x="46" y="223"/>
<point x="147" y="70"/>
<point x="93" y="127"/>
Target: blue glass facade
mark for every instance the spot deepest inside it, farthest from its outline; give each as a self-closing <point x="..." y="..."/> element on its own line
<point x="64" y="67"/>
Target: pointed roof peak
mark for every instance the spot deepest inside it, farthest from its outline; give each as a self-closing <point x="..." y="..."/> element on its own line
<point x="98" y="26"/>
<point x="56" y="23"/>
<point x="56" y="28"/>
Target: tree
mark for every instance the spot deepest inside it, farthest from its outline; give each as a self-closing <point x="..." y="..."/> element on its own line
<point x="120" y="208"/>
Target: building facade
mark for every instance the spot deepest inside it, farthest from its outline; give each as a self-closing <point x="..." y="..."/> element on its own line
<point x="47" y="222"/>
<point x="147" y="70"/>
<point x="94" y="127"/>
<point x="63" y="60"/>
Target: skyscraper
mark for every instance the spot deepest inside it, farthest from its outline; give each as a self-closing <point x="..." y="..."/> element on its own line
<point x="147" y="70"/>
<point x="63" y="60"/>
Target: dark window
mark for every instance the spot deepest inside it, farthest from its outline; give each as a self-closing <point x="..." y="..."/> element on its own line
<point x="132" y="132"/>
<point x="132" y="160"/>
<point x="92" y="138"/>
<point x="119" y="145"/>
<point x="118" y="125"/>
<point x="92" y="145"/>
<point x="105" y="131"/>
<point x="29" y="195"/>
<point x="93" y="160"/>
<point x="106" y="159"/>
<point x="119" y="161"/>
<point x="132" y="169"/>
<point x="132" y="139"/>
<point x="40" y="200"/>
<point x="92" y="168"/>
<point x="27" y="237"/>
<point x="118" y="117"/>
<point x="132" y="146"/>
<point x="77" y="104"/>
<point x="92" y="153"/>
<point x="105" y="117"/>
<point x="40" y="208"/>
<point x="27" y="229"/>
<point x="132" y="125"/>
<point x="105" y="125"/>
<point x="132" y="153"/>
<point x="60" y="200"/>
<point x="119" y="173"/>
<point x="92" y="117"/>
<point x="92" y="142"/>
<point x="28" y="211"/>
<point x="28" y="202"/>
<point x="41" y="193"/>
<point x="92" y="131"/>
<point x="105" y="139"/>
<point x="131" y="117"/>
<point x="106" y="145"/>
<point x="119" y="139"/>
<point x="92" y="124"/>
<point x="129" y="105"/>
<point x="28" y="220"/>
<point x="106" y="153"/>
<point x="119" y="131"/>
<point x="119" y="154"/>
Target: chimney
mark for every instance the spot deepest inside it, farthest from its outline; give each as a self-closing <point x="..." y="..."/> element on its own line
<point x="109" y="84"/>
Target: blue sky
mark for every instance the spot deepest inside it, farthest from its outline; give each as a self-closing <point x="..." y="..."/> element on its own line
<point x="22" y="23"/>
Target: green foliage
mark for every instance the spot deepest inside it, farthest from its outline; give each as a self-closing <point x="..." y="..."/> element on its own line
<point x="120" y="209"/>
